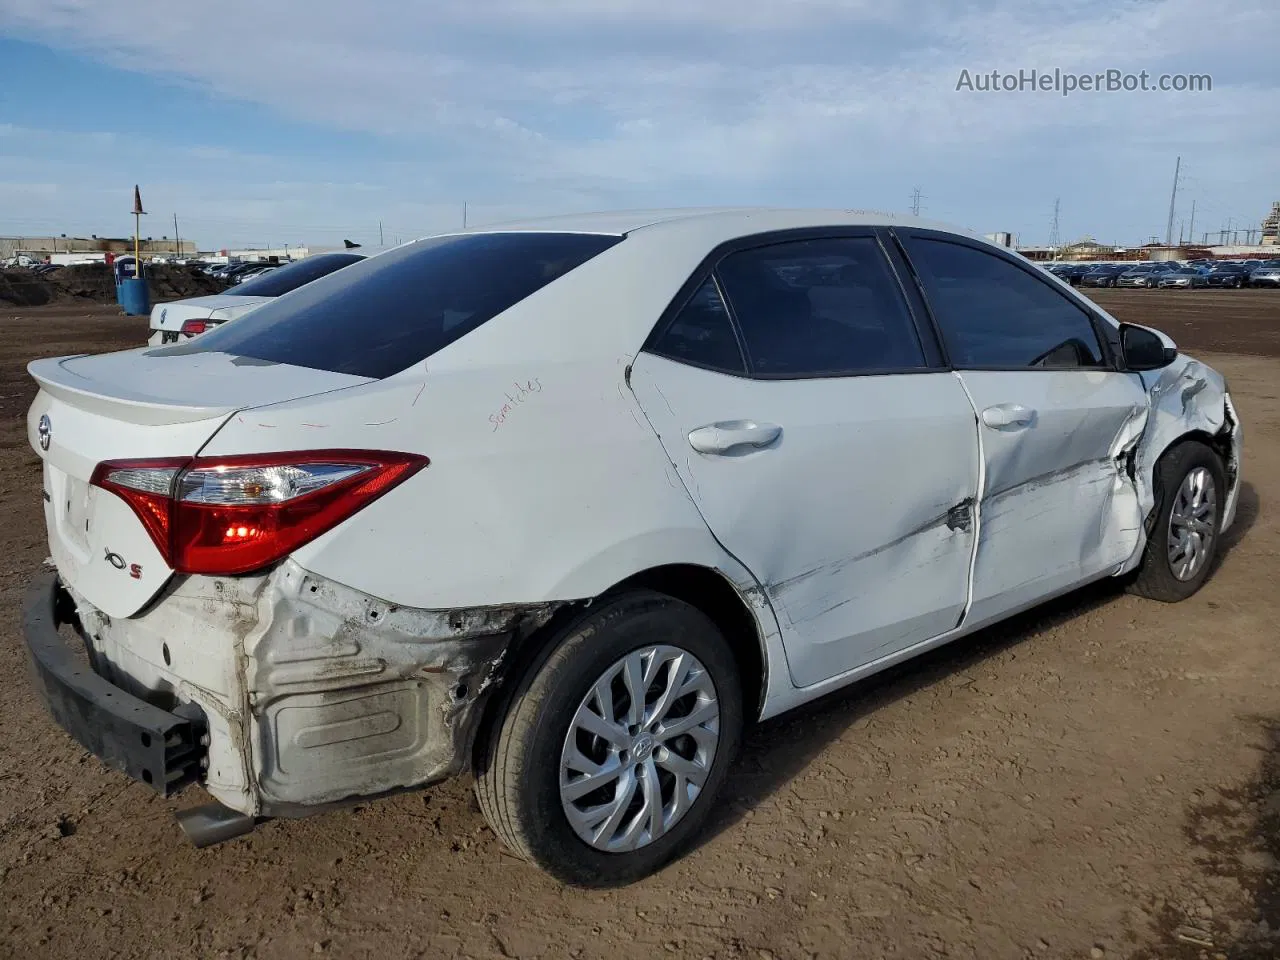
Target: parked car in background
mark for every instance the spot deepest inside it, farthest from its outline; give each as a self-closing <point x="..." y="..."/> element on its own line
<point x="1227" y="275"/>
<point x="1266" y="276"/>
<point x="1183" y="278"/>
<point x="1070" y="272"/>
<point x="437" y="512"/>
<point x="181" y="319"/>
<point x="253" y="272"/>
<point x="1143" y="275"/>
<point x="1103" y="275"/>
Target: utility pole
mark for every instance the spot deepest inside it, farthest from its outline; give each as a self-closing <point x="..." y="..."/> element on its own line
<point x="1054" y="238"/>
<point x="177" y="242"/>
<point x="915" y="202"/>
<point x="1191" y="230"/>
<point x="1173" y="199"/>
<point x="464" y="215"/>
<point x="381" y="242"/>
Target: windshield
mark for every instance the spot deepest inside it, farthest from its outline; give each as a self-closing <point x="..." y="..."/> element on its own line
<point x="283" y="279"/>
<point x="388" y="312"/>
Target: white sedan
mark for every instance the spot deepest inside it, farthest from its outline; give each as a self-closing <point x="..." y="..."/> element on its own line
<point x="568" y="503"/>
<point x="177" y="320"/>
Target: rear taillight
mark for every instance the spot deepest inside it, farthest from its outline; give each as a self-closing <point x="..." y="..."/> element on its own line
<point x="194" y="328"/>
<point x="230" y="515"/>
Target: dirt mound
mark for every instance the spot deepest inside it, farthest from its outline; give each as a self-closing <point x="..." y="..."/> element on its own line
<point x="94" y="282"/>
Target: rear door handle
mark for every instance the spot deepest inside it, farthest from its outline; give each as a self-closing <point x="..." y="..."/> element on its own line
<point x="1005" y="416"/>
<point x="726" y="436"/>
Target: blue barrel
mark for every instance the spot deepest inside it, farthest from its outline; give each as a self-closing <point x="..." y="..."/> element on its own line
<point x="134" y="297"/>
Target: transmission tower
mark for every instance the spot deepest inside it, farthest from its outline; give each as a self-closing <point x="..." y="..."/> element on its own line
<point x="1173" y="200"/>
<point x="915" y="202"/>
<point x="1054" y="237"/>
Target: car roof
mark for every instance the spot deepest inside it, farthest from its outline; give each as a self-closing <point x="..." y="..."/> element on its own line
<point x="717" y="224"/>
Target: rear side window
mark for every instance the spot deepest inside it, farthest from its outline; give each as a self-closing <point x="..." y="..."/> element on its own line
<point x="702" y="333"/>
<point x="820" y="308"/>
<point x="280" y="281"/>
<point x="995" y="314"/>
<point x="385" y="314"/>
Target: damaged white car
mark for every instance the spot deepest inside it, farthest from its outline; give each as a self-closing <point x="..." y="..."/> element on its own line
<point x="568" y="503"/>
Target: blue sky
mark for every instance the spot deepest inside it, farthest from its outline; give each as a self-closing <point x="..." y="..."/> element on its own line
<point x="308" y="122"/>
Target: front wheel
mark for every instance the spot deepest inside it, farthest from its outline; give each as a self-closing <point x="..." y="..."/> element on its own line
<point x="604" y="761"/>
<point x="1191" y="491"/>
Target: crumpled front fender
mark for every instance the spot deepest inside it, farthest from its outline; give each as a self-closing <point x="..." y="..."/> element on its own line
<point x="1186" y="397"/>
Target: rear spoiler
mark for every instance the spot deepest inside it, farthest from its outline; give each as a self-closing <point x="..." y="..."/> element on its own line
<point x="115" y="401"/>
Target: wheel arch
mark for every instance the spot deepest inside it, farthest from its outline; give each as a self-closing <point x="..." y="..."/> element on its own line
<point x="1219" y="443"/>
<point x="707" y="589"/>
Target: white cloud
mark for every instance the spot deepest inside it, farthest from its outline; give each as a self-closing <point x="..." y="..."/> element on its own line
<point x="596" y="102"/>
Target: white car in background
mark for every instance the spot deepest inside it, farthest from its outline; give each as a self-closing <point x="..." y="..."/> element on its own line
<point x="567" y="503"/>
<point x="182" y="319"/>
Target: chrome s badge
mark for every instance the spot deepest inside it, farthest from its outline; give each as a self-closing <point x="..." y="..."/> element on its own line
<point x="45" y="431"/>
<point x="164" y="313"/>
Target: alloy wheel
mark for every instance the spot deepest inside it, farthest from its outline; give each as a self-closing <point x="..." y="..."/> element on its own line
<point x="639" y="749"/>
<point x="1191" y="524"/>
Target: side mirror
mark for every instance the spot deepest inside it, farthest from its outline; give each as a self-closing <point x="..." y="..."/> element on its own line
<point x="1145" y="349"/>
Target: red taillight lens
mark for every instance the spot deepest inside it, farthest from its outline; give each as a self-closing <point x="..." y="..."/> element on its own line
<point x="195" y="327"/>
<point x="146" y="486"/>
<point x="232" y="515"/>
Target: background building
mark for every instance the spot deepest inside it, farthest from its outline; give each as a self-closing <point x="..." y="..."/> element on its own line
<point x="1271" y="226"/>
<point x="42" y="247"/>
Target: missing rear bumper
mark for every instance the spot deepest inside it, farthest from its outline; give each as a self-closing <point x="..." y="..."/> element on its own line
<point x="160" y="748"/>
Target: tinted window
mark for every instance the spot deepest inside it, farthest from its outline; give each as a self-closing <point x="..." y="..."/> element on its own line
<point x="995" y="314"/>
<point x="388" y="312"/>
<point x="820" y="308"/>
<point x="283" y="279"/>
<point x="702" y="333"/>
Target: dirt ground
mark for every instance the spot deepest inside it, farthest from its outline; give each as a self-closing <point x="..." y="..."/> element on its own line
<point x="89" y="285"/>
<point x="1099" y="778"/>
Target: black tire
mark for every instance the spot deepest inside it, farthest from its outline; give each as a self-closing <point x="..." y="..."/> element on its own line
<point x="1155" y="579"/>
<point x="518" y="763"/>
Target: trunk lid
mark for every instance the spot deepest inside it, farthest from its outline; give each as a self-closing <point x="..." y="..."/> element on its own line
<point x="135" y="405"/>
<point x="171" y="316"/>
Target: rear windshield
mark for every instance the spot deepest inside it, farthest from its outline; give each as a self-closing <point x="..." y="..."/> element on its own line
<point x="381" y="316"/>
<point x="284" y="279"/>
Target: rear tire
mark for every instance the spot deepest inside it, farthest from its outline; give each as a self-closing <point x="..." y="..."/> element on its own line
<point x="553" y="729"/>
<point x="1191" y="490"/>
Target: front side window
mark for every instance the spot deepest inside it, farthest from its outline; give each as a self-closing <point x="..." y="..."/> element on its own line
<point x="386" y="313"/>
<point x="991" y="313"/>
<point x="828" y="307"/>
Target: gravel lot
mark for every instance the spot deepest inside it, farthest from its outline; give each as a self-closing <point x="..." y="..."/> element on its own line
<point x="1099" y="778"/>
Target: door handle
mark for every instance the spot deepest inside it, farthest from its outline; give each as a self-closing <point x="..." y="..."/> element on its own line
<point x="1008" y="415"/>
<point x="728" y="435"/>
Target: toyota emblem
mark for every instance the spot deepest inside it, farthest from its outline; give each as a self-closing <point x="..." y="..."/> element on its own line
<point x="45" y="431"/>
